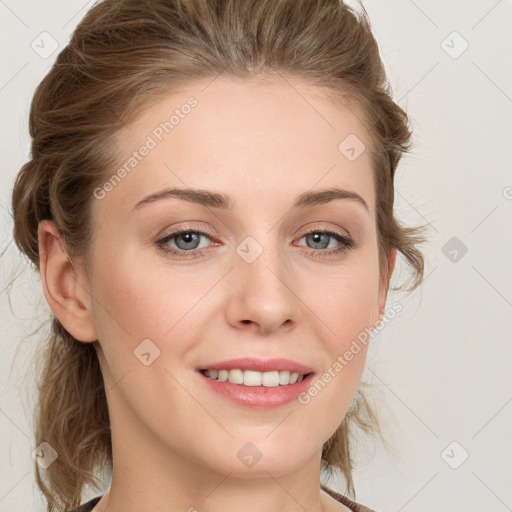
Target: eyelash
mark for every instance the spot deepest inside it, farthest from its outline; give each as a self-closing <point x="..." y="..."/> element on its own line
<point x="347" y="244"/>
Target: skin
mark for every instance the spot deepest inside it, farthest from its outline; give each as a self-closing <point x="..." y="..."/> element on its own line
<point x="175" y="442"/>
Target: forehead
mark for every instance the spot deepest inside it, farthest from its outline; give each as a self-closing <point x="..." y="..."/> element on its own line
<point x="244" y="137"/>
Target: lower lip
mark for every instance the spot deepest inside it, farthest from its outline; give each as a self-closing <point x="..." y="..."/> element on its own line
<point x="259" y="397"/>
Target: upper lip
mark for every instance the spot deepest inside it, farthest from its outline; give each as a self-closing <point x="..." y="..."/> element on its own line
<point x="259" y="365"/>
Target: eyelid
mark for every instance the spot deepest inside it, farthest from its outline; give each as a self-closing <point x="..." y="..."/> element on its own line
<point x="345" y="241"/>
<point x="186" y="228"/>
<point x="318" y="226"/>
<point x="203" y="228"/>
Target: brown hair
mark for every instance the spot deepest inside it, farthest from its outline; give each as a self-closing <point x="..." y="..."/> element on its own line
<point x="123" y="55"/>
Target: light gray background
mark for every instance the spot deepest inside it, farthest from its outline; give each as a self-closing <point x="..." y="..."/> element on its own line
<point x="441" y="368"/>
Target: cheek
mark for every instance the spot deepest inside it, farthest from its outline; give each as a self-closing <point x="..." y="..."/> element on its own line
<point x="139" y="300"/>
<point x="346" y="314"/>
<point x="345" y="301"/>
<point x="347" y="310"/>
<point x="139" y="303"/>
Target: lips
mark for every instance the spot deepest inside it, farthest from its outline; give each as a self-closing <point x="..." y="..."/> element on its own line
<point x="258" y="397"/>
<point x="259" y="365"/>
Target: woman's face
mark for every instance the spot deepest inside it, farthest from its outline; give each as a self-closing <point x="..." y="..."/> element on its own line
<point x="251" y="279"/>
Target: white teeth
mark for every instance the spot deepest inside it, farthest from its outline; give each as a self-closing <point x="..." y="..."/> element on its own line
<point x="252" y="378"/>
<point x="284" y="377"/>
<point x="270" y="379"/>
<point x="236" y="376"/>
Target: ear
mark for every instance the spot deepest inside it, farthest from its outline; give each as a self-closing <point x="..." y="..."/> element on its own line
<point x="384" y="285"/>
<point x="64" y="285"/>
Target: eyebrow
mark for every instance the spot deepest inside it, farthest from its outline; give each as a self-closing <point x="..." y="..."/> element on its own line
<point x="219" y="200"/>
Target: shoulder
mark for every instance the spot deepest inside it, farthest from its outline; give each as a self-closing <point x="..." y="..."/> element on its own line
<point x="87" y="507"/>
<point x="352" y="505"/>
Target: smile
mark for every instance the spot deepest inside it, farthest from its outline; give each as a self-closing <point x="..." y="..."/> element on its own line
<point x="254" y="378"/>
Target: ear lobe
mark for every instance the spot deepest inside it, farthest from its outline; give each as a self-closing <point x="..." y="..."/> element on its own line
<point x="67" y="297"/>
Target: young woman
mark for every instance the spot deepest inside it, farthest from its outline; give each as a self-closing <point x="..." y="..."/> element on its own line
<point x="209" y="203"/>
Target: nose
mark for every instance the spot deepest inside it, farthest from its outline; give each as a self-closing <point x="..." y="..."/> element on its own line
<point x="263" y="295"/>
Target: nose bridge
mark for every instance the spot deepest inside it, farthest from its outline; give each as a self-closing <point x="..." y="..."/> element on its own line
<point x="262" y="290"/>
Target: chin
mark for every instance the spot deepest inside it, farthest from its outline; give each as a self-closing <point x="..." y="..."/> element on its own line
<point x="259" y="458"/>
